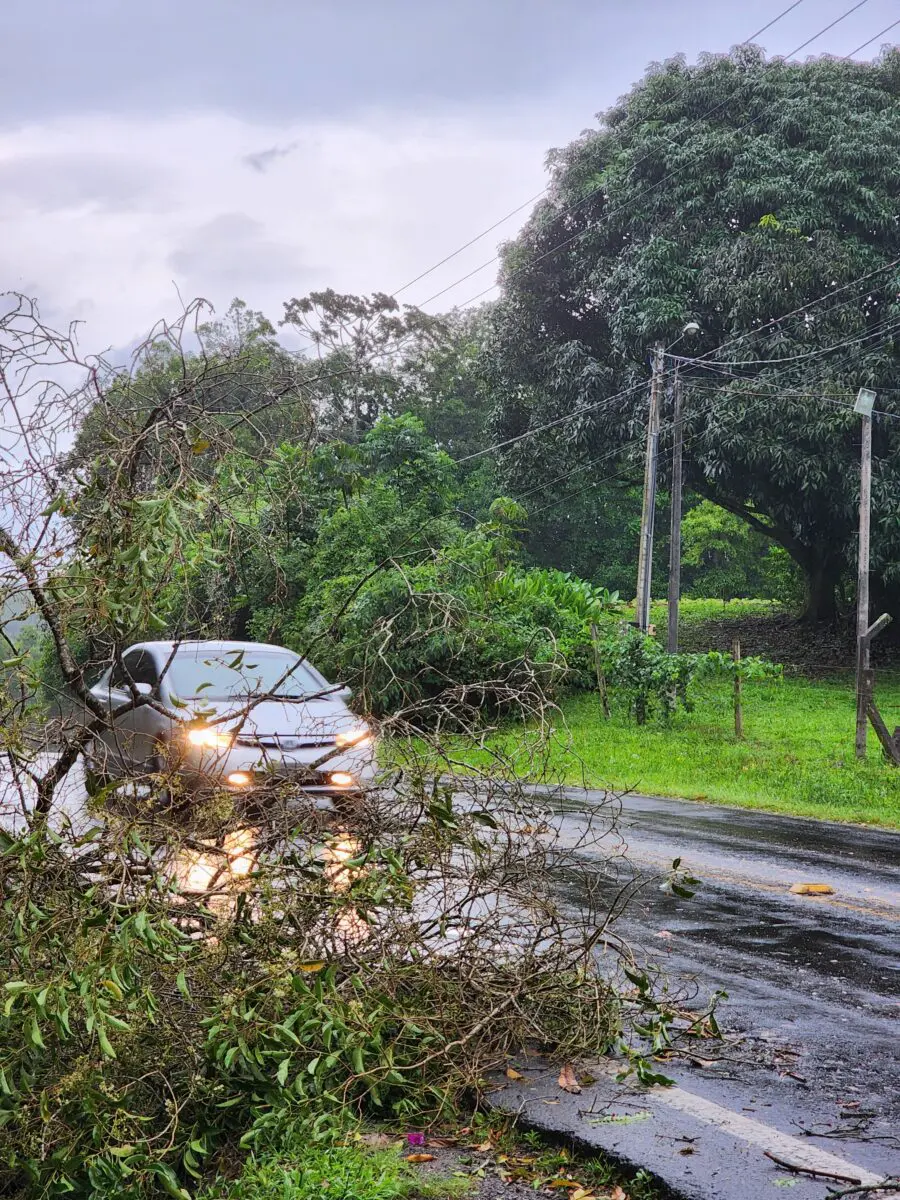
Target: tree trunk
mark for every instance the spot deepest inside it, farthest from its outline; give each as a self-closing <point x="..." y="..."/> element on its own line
<point x="822" y="578"/>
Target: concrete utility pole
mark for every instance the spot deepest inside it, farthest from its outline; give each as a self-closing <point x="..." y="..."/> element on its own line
<point x="645" y="550"/>
<point x="865" y="402"/>
<point x="675" y="534"/>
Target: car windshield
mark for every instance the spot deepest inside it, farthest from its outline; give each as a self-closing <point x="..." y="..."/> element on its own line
<point x="233" y="675"/>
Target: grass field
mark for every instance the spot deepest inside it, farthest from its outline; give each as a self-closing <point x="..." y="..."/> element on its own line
<point x="797" y="755"/>
<point x="695" y="611"/>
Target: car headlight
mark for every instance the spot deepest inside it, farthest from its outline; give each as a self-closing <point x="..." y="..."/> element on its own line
<point x="213" y="739"/>
<point x="361" y="736"/>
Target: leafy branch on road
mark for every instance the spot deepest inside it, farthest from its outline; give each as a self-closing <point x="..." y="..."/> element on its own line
<point x="186" y="983"/>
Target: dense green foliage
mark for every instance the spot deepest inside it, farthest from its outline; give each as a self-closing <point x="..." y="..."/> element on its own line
<point x="373" y="570"/>
<point x="723" y="556"/>
<point x="733" y="193"/>
<point x="645" y="676"/>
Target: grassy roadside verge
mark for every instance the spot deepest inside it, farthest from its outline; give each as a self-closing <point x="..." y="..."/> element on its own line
<point x="480" y="1162"/>
<point x="797" y="756"/>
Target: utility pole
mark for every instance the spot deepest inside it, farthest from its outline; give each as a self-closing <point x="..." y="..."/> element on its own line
<point x="675" y="534"/>
<point x="645" y="550"/>
<point x="865" y="402"/>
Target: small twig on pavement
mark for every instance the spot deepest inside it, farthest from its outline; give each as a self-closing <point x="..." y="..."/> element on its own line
<point x="856" y="1133"/>
<point x="868" y="1189"/>
<point x="790" y="1166"/>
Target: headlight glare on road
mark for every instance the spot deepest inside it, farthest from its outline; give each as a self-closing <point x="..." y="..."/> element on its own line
<point x="360" y="736"/>
<point x="213" y="739"/>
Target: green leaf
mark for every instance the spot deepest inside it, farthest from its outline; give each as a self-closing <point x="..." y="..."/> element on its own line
<point x="33" y="1034"/>
<point x="181" y="984"/>
<point x="283" y="1067"/>
<point x="105" y="1043"/>
<point x="169" y="1181"/>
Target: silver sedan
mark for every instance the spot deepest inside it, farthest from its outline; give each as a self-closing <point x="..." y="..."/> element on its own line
<point x="236" y="715"/>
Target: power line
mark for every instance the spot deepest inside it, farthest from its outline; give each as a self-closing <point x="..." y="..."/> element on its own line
<point x="698" y="361"/>
<point x="805" y="307"/>
<point x="553" y="424"/>
<point x="774" y="21"/>
<point x="595" y="462"/>
<point x="887" y="29"/>
<point x="526" y="203"/>
<point x="646" y="191"/>
<point x="471" y="242"/>
<point x="709" y="408"/>
<point x="886" y="325"/>
<point x="837" y="21"/>
<point x="570" y="208"/>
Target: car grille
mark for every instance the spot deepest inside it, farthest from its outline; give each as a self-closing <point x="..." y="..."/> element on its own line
<point x="282" y="742"/>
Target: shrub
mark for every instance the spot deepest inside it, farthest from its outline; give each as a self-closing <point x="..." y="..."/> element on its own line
<point x="651" y="680"/>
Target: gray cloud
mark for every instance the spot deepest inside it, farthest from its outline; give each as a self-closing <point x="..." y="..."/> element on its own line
<point x="233" y="250"/>
<point x="53" y="182"/>
<point x="141" y="141"/>
<point x="301" y="59"/>
<point x="261" y="160"/>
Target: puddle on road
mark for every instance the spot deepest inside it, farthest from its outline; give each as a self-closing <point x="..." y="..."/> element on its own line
<point x="215" y="875"/>
<point x="214" y="867"/>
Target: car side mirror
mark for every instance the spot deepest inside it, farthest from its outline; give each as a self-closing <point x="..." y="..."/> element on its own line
<point x="344" y="693"/>
<point x="143" y="689"/>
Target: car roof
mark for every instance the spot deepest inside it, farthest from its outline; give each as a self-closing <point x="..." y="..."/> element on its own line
<point x="210" y="647"/>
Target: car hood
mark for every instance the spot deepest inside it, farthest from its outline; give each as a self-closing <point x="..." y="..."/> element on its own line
<point x="291" y="718"/>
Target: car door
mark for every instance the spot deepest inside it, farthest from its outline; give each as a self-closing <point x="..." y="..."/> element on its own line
<point x="133" y="738"/>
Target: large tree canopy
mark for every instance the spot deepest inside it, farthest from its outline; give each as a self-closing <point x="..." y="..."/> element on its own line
<point x="759" y="199"/>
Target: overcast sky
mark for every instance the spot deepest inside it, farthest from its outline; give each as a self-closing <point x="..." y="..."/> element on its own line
<point x="222" y="148"/>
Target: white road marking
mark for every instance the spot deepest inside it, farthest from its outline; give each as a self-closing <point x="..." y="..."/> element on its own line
<point x="756" y="1132"/>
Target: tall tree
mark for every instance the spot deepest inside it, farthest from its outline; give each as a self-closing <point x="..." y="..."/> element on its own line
<point x="359" y="341"/>
<point x="732" y="193"/>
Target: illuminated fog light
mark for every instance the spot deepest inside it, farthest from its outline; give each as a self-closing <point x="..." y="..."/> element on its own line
<point x="239" y="779"/>
<point x="341" y="779"/>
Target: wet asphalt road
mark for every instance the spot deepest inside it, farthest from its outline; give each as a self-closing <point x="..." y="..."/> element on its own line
<point x="813" y="983"/>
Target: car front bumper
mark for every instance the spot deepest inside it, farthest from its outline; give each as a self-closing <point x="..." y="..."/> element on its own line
<point x="317" y="771"/>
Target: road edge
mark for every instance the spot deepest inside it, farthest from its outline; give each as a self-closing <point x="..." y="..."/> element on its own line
<point x="694" y="1148"/>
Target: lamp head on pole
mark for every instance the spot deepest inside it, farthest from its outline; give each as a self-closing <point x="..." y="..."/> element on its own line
<point x="865" y="402"/>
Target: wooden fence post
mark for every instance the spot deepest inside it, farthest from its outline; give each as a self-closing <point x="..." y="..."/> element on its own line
<point x="865" y="688"/>
<point x="601" y="675"/>
<point x="738" y="710"/>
